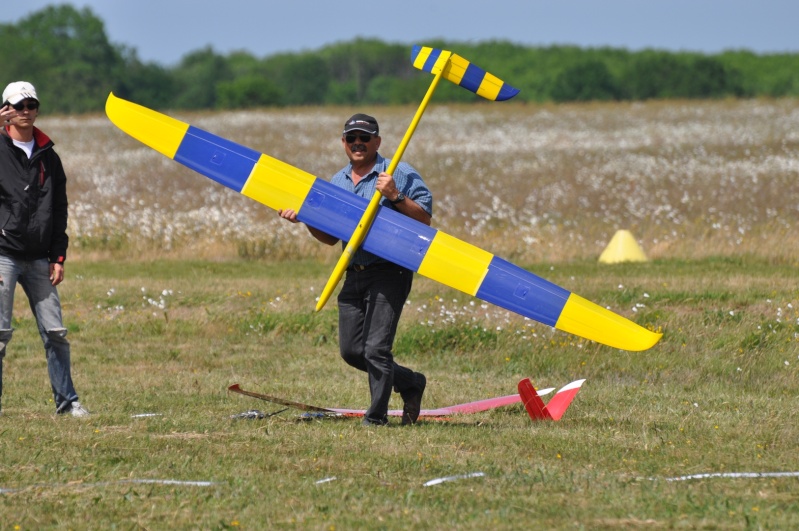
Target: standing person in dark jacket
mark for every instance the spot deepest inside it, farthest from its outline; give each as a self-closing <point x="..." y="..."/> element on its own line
<point x="33" y="237"/>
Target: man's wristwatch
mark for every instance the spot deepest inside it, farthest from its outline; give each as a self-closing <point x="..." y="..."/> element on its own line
<point x="400" y="198"/>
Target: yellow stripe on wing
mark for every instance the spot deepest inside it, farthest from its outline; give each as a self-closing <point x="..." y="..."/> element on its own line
<point x="156" y="130"/>
<point x="455" y="263"/>
<point x="441" y="63"/>
<point x="456" y="69"/>
<point x="490" y="85"/>
<point x="278" y="185"/>
<point x="421" y="59"/>
<point x="583" y="318"/>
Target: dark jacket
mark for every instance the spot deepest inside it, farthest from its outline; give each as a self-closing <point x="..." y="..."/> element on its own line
<point x="33" y="201"/>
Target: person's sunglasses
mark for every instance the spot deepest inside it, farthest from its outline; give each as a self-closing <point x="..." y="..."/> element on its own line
<point x="362" y="137"/>
<point x="31" y="105"/>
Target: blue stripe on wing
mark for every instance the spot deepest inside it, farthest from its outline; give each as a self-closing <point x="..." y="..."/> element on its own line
<point x="225" y="162"/>
<point x="399" y="238"/>
<point x="393" y="236"/>
<point x="521" y="291"/>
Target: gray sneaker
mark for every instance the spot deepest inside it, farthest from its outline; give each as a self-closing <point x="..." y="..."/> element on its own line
<point x="78" y="410"/>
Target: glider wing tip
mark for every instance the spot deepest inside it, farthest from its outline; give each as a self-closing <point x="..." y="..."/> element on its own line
<point x="636" y="340"/>
<point x="109" y="101"/>
<point x="653" y="340"/>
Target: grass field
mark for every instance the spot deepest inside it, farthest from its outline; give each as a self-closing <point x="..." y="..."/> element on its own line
<point x="176" y="289"/>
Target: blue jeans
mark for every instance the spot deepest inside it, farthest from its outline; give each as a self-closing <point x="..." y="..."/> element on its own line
<point x="370" y="304"/>
<point x="34" y="277"/>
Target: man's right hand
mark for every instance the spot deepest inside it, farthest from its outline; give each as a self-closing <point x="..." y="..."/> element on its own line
<point x="323" y="237"/>
<point x="7" y="113"/>
<point x="288" y="214"/>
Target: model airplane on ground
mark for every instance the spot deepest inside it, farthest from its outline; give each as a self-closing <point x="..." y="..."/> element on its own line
<point x="528" y="395"/>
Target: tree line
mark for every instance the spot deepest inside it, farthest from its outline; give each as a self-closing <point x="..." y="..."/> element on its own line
<point x="66" y="53"/>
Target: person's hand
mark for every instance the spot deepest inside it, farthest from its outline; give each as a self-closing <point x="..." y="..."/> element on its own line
<point x="56" y="274"/>
<point x="7" y="112"/>
<point x="288" y="214"/>
<point x="386" y="186"/>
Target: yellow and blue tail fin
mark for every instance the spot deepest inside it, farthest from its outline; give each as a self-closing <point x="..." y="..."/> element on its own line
<point x="463" y="73"/>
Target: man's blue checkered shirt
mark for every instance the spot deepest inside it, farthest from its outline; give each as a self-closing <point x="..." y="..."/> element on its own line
<point x="407" y="180"/>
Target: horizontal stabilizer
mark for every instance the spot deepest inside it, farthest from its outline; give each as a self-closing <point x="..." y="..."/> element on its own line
<point x="556" y="407"/>
<point x="461" y="72"/>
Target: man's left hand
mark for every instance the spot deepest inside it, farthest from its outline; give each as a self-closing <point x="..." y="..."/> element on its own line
<point x="386" y="186"/>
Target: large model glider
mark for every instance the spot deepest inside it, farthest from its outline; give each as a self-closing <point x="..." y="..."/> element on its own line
<point x="393" y="236"/>
<point x="440" y="63"/>
<point x="528" y="394"/>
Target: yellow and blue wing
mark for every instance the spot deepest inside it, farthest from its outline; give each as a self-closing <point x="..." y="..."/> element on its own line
<point x="393" y="236"/>
<point x="463" y="73"/>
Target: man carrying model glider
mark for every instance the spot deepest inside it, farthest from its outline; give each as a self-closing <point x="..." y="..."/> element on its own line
<point x="375" y="290"/>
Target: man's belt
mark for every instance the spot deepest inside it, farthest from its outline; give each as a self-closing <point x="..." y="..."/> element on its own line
<point x="377" y="266"/>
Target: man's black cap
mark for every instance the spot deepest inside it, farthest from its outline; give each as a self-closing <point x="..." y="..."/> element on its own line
<point x="362" y="122"/>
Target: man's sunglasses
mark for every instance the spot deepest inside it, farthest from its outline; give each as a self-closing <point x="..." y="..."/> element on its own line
<point x="31" y="105"/>
<point x="362" y="137"/>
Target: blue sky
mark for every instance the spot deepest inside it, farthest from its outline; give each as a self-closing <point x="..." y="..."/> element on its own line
<point x="164" y="31"/>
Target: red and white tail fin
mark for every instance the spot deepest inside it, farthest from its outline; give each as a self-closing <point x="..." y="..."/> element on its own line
<point x="532" y="402"/>
<point x="563" y="398"/>
<point x="556" y="407"/>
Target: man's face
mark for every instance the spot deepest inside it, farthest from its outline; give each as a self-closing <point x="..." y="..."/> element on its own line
<point x="360" y="146"/>
<point x="27" y="111"/>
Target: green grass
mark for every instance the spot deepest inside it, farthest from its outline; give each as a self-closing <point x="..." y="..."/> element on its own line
<point x="717" y="394"/>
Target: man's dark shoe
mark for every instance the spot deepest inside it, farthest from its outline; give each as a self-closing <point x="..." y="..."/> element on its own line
<point x="413" y="400"/>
